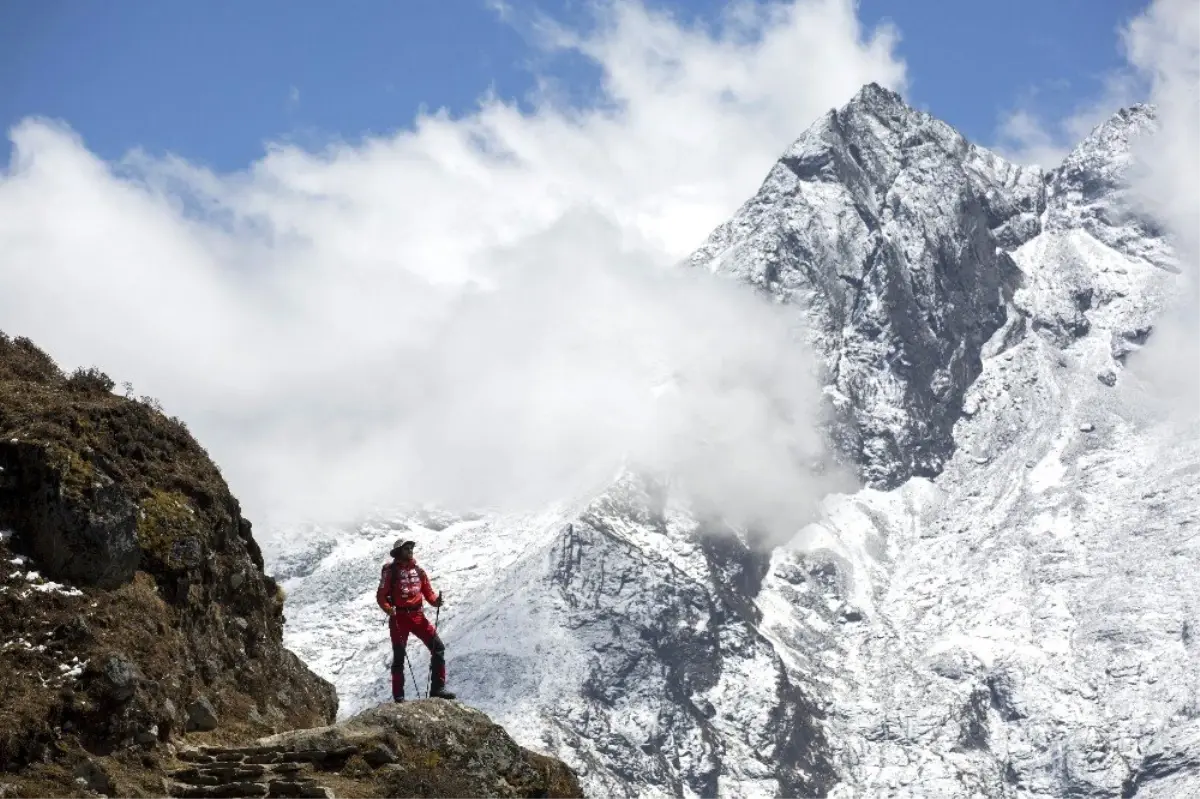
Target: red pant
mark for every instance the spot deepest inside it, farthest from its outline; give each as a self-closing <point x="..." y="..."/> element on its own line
<point x="400" y="626"/>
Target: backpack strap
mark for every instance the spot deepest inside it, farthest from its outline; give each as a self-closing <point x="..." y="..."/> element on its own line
<point x="391" y="583"/>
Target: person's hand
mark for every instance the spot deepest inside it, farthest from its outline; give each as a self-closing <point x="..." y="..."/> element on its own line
<point x="391" y="611"/>
<point x="440" y="598"/>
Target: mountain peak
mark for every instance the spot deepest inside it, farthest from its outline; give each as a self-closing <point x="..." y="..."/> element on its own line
<point x="1090" y="190"/>
<point x="863" y="141"/>
<point x="1111" y="140"/>
<point x="874" y="95"/>
<point x="886" y="225"/>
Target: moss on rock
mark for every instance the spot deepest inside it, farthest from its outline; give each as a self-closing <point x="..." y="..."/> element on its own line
<point x="167" y="529"/>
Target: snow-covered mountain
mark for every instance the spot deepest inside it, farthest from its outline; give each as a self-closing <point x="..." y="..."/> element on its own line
<point x="1009" y="609"/>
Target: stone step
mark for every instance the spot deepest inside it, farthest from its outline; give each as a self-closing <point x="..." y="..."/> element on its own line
<point x="219" y="772"/>
<point x="241" y="750"/>
<point x="263" y="754"/>
<point x="226" y="772"/>
<point x="230" y="790"/>
<point x="298" y="789"/>
<point x="320" y="755"/>
<point x="301" y="789"/>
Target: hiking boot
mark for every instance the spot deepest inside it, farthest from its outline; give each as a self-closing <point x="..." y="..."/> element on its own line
<point x="441" y="693"/>
<point x="397" y="699"/>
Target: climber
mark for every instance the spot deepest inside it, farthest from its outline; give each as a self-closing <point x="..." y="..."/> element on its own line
<point x="402" y="586"/>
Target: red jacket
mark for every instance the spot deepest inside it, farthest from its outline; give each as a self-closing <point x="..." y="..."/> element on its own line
<point x="402" y="585"/>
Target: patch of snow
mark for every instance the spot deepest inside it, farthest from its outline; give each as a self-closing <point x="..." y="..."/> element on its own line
<point x="1050" y="470"/>
<point x="74" y="670"/>
<point x="51" y="586"/>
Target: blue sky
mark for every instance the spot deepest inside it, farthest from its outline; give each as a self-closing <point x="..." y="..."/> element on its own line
<point x="213" y="81"/>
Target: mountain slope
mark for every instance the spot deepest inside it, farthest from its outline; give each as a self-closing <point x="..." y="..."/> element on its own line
<point x="1027" y="610"/>
<point x="1006" y="611"/>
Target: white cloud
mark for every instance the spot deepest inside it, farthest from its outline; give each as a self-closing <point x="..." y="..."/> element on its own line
<point x="1163" y="45"/>
<point x="476" y="309"/>
<point x="1025" y="139"/>
<point x="293" y="98"/>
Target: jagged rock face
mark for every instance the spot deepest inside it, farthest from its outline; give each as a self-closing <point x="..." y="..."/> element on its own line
<point x="1090" y="190"/>
<point x="688" y="652"/>
<point x="1020" y="621"/>
<point x="133" y="605"/>
<point x="1026" y="613"/>
<point x="883" y="225"/>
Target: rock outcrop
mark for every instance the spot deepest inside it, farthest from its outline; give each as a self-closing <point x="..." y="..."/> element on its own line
<point x="134" y="600"/>
<point x="424" y="748"/>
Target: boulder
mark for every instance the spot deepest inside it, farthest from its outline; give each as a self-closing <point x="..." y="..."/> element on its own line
<point x="201" y="715"/>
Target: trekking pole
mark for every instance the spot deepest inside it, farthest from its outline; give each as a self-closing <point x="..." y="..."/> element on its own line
<point x="437" y="616"/>
<point x="413" y="672"/>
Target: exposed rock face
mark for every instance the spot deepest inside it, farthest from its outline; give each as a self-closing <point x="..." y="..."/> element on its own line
<point x="886" y="228"/>
<point x="686" y="650"/>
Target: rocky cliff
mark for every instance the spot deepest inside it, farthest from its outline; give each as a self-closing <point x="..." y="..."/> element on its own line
<point x="137" y="622"/>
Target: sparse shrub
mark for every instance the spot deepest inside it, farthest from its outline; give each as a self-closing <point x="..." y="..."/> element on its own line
<point x="21" y="359"/>
<point x="90" y="381"/>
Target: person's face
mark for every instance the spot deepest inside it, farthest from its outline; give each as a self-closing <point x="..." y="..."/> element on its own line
<point x="406" y="553"/>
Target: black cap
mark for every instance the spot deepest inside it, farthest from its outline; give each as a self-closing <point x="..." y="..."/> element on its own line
<point x="401" y="544"/>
